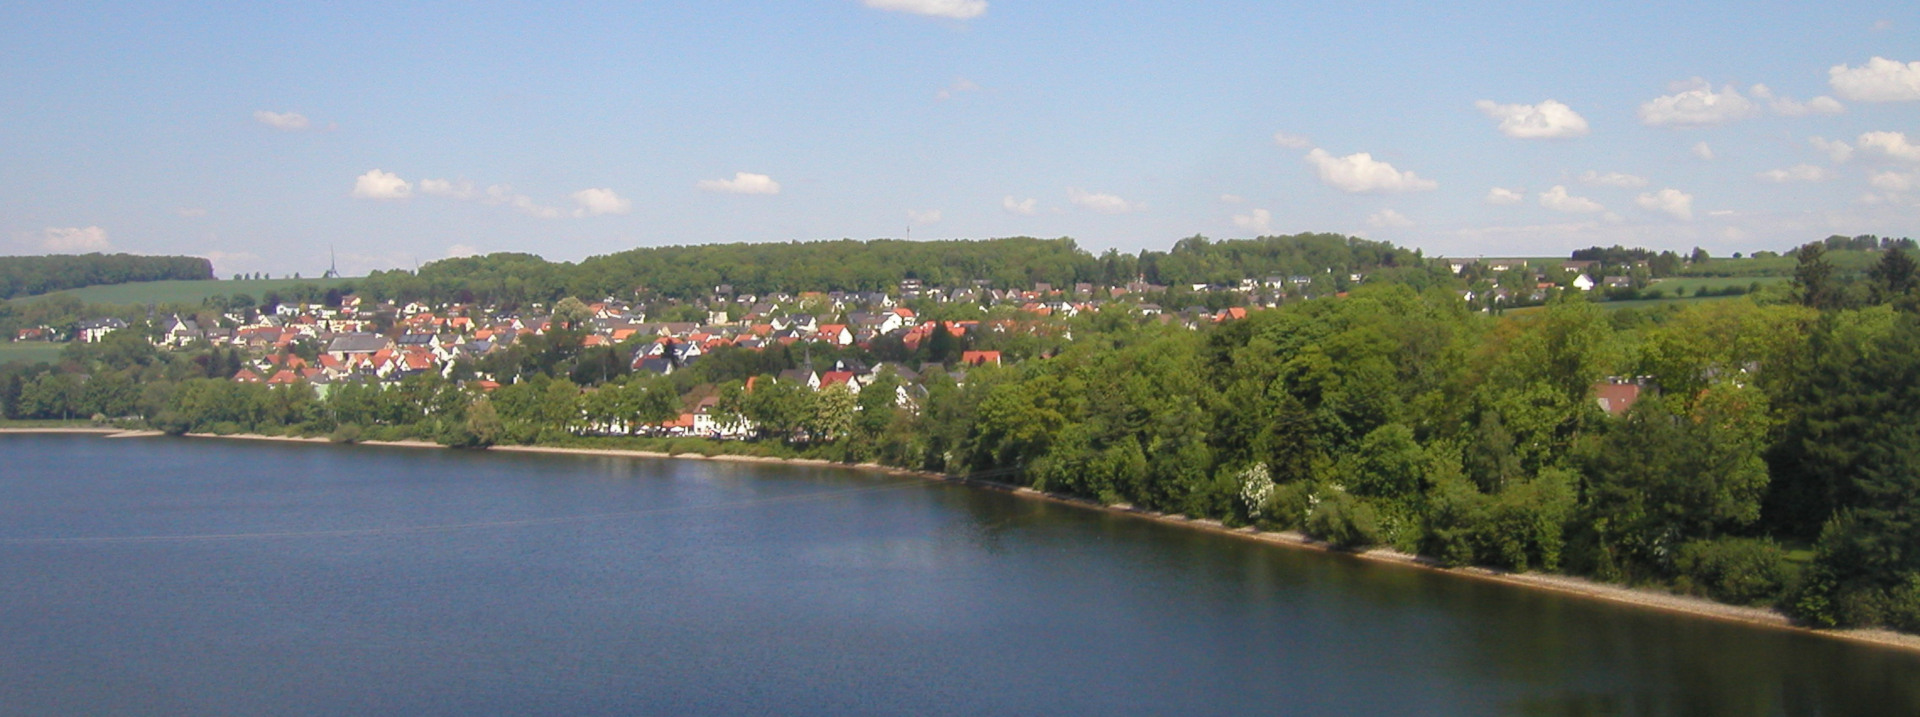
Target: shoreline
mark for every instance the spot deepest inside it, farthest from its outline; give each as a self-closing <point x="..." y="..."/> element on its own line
<point x="1547" y="582"/>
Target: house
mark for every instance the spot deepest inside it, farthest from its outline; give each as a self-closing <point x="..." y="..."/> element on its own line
<point x="1230" y="313"/>
<point x="97" y="329"/>
<point x="1583" y="282"/>
<point x="656" y="365"/>
<point x="836" y="334"/>
<point x="803" y="376"/>
<point x="980" y="358"/>
<point x="346" y="346"/>
<point x="1616" y="282"/>
<point x="1616" y="396"/>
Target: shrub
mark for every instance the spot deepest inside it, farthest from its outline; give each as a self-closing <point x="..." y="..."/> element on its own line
<point x="172" y="423"/>
<point x="1743" y="571"/>
<point x="1286" y="506"/>
<point x="1902" y="609"/>
<point x="1344" y="520"/>
<point x="346" y="433"/>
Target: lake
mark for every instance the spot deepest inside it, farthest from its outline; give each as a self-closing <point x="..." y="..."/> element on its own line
<point x="184" y="576"/>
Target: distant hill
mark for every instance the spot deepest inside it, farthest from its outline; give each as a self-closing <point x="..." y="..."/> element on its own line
<point x="28" y="275"/>
<point x="881" y="264"/>
<point x="193" y="292"/>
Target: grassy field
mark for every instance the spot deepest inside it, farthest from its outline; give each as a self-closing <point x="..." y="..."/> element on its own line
<point x="186" y="292"/>
<point x="1693" y="284"/>
<point x="29" y="351"/>
<point x="1779" y="266"/>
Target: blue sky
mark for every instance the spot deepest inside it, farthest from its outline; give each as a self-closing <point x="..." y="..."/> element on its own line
<point x="260" y="134"/>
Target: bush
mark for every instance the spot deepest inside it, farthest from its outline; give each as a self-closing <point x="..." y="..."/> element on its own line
<point x="346" y="433"/>
<point x="1902" y="608"/>
<point x="1285" y="507"/>
<point x="1344" y="520"/>
<point x="1744" y="571"/>
<point x="172" y="423"/>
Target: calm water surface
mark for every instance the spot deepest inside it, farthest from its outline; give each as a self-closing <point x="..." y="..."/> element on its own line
<point x="173" y="576"/>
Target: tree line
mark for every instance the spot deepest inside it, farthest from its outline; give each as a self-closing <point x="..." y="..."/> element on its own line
<point x="28" y="275"/>
<point x="688" y="272"/>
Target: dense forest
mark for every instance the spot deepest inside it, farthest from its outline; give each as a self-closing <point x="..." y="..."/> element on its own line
<point x="1772" y="456"/>
<point x="1019" y="262"/>
<point x="28" y="275"/>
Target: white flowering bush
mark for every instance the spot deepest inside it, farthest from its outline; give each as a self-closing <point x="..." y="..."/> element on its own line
<point x="1256" y="486"/>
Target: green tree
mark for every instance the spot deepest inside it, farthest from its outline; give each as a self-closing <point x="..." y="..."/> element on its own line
<point x="1658" y="479"/>
<point x="833" y="413"/>
<point x="1813" y="280"/>
<point x="1894" y="277"/>
<point x="51" y="395"/>
<point x="778" y="408"/>
<point x="571" y="313"/>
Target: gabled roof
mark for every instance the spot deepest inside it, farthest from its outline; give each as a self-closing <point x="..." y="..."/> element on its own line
<point x="976" y="358"/>
<point x="358" y="343"/>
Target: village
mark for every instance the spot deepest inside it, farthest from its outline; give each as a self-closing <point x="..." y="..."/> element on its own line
<point x="361" y="340"/>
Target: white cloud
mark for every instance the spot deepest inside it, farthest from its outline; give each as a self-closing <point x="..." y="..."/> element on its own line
<point x="1892" y="144"/>
<point x="1025" y="207"/>
<point x="1558" y="200"/>
<point x="504" y="195"/>
<point x="1701" y="150"/>
<point x="1822" y="105"/>
<point x="956" y="9"/>
<point x="1895" y="181"/>
<point x="74" y="240"/>
<point x="1503" y="195"/>
<point x="1231" y="199"/>
<point x="1796" y="173"/>
<point x="1361" y="173"/>
<point x="1291" y="141"/>
<point x="1613" y="179"/>
<point x="462" y="250"/>
<point x="283" y="121"/>
<point x="1388" y="219"/>
<point x="461" y="189"/>
<point x="742" y="183"/>
<point x="596" y="201"/>
<point x="1835" y="150"/>
<point x="1789" y="107"/>
<point x="1258" y="221"/>
<point x="1102" y="203"/>
<point x="1671" y="201"/>
<point x="191" y="212"/>
<point x="1697" y="106"/>
<point x="960" y="84"/>
<point x="1549" y="119"/>
<point x="918" y="217"/>
<point x="376" y="184"/>
<point x="1880" y="80"/>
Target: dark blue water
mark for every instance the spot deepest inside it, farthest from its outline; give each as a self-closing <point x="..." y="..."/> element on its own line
<point x="179" y="576"/>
